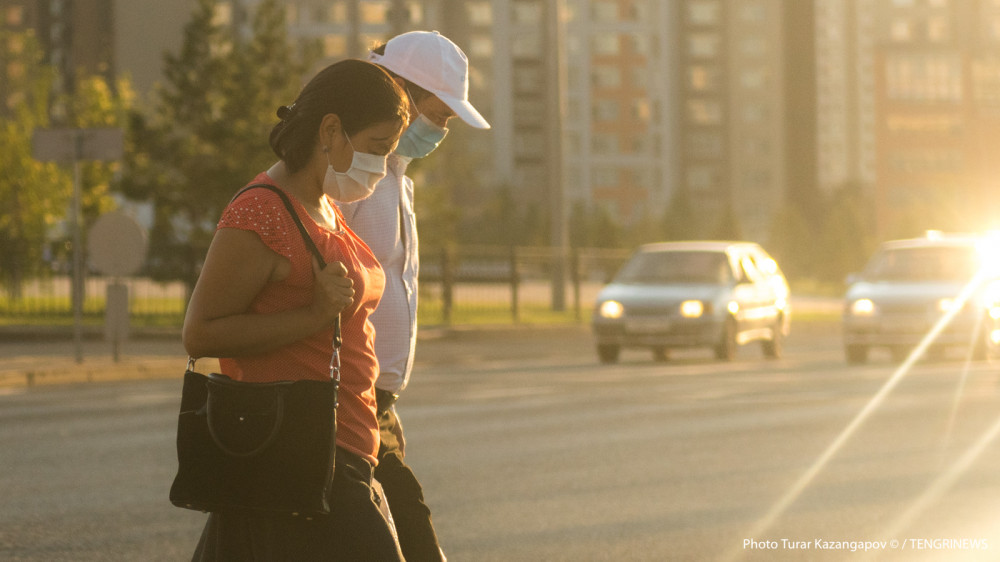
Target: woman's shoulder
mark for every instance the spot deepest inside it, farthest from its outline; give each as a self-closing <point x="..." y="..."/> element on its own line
<point x="258" y="194"/>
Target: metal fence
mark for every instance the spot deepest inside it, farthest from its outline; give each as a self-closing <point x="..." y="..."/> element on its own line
<point x="461" y="285"/>
<point x="49" y="299"/>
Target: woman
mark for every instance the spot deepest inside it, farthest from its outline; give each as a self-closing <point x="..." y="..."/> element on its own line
<point x="266" y="309"/>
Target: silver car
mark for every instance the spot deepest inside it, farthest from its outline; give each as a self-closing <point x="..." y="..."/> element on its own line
<point x="909" y="285"/>
<point x="717" y="295"/>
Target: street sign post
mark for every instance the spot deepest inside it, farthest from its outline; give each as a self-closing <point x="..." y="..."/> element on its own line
<point x="70" y="146"/>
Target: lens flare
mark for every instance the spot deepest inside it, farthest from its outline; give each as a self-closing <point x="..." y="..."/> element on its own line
<point x="793" y="493"/>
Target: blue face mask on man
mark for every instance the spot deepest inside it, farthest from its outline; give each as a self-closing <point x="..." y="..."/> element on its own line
<point x="420" y="138"/>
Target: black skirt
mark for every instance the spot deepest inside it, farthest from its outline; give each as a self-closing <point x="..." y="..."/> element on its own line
<point x="354" y="530"/>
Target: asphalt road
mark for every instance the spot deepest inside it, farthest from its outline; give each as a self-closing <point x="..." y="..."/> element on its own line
<point x="529" y="449"/>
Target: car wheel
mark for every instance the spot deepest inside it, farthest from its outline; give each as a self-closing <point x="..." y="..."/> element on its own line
<point x="608" y="353"/>
<point x="774" y="347"/>
<point x="661" y="354"/>
<point x="726" y="348"/>
<point x="856" y="354"/>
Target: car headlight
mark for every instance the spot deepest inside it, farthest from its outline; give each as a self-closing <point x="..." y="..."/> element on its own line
<point x="611" y="309"/>
<point x="991" y="299"/>
<point x="947" y="305"/>
<point x="863" y="307"/>
<point x="692" y="309"/>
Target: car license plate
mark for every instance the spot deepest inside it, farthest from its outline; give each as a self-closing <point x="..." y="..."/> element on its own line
<point x="647" y="325"/>
<point x="903" y="327"/>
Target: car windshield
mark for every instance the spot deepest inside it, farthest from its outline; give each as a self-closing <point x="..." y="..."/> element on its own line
<point x="955" y="263"/>
<point x="655" y="268"/>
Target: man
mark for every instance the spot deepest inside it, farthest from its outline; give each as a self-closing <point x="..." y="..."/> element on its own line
<point x="435" y="74"/>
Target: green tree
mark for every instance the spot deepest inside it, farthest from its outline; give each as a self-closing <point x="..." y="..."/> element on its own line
<point x="847" y="237"/>
<point x="34" y="195"/>
<point x="206" y="135"/>
<point x="97" y="104"/>
<point x="680" y="221"/>
<point x="728" y="227"/>
<point x="792" y="242"/>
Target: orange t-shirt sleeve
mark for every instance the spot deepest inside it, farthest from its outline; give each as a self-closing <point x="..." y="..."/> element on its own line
<point x="261" y="211"/>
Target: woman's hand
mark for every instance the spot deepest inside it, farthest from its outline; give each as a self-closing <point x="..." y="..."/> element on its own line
<point x="334" y="290"/>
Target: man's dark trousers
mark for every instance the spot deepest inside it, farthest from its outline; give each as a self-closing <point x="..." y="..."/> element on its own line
<point x="411" y="515"/>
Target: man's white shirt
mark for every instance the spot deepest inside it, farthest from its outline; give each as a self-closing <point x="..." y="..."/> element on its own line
<point x="386" y="222"/>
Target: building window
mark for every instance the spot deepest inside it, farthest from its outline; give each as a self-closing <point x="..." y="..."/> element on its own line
<point x="604" y="143"/>
<point x="639" y="78"/>
<point x="530" y="143"/>
<point x="527" y="12"/>
<point x="604" y="11"/>
<point x="528" y="44"/>
<point x="753" y="113"/>
<point x="479" y="13"/>
<point x="605" y="77"/>
<point x="901" y="31"/>
<point x="753" y="79"/>
<point x="753" y="12"/>
<point x="703" y="78"/>
<point x="603" y="176"/>
<point x="986" y="81"/>
<point x="529" y="112"/>
<point x="529" y="79"/>
<point x="334" y="13"/>
<point x="334" y="46"/>
<point x="704" y="144"/>
<point x="639" y="44"/>
<point x="604" y="44"/>
<point x="701" y="178"/>
<point x="704" y="12"/>
<point x="606" y="110"/>
<point x="639" y="12"/>
<point x="930" y="78"/>
<point x="937" y="30"/>
<point x="704" y="112"/>
<point x="481" y="46"/>
<point x="416" y="12"/>
<point x="641" y="109"/>
<point x="703" y="45"/>
<point x="373" y="13"/>
<point x="753" y="46"/>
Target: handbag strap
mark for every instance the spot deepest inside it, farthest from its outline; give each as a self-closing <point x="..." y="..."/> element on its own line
<point x="337" y="338"/>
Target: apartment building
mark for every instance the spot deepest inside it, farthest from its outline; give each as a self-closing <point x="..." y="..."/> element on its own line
<point x="909" y="108"/>
<point x="617" y="103"/>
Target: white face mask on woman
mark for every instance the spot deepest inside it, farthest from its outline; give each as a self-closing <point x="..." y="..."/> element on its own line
<point x="359" y="181"/>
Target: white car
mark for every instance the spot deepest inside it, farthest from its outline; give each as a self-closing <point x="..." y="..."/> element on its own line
<point x="909" y="285"/>
<point x="710" y="294"/>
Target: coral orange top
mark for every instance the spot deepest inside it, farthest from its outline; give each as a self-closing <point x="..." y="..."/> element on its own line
<point x="261" y="211"/>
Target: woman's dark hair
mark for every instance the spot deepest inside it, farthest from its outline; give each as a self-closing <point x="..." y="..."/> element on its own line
<point x="360" y="93"/>
<point x="417" y="92"/>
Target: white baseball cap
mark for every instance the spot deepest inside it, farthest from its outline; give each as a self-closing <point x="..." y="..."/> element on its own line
<point x="433" y="62"/>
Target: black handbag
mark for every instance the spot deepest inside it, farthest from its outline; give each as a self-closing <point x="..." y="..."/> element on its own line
<point x="263" y="449"/>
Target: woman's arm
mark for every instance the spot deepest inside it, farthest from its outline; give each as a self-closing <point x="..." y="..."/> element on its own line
<point x="238" y="266"/>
